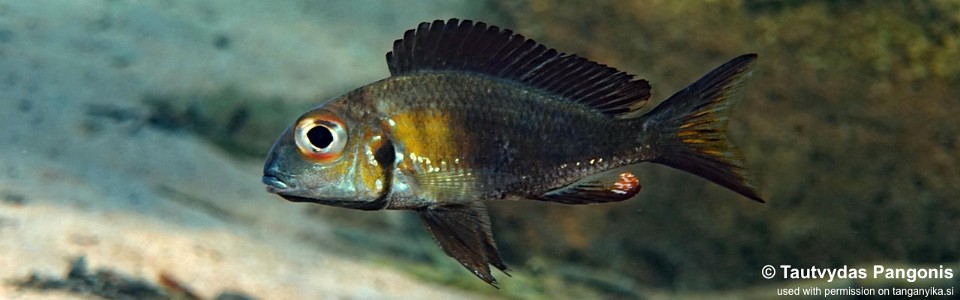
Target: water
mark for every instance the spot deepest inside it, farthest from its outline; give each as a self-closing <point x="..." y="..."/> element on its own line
<point x="133" y="135"/>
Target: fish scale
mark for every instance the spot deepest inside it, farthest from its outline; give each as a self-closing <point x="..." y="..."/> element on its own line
<point x="472" y="113"/>
<point x="483" y="118"/>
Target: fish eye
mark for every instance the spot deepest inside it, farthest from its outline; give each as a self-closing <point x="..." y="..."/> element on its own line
<point x="320" y="138"/>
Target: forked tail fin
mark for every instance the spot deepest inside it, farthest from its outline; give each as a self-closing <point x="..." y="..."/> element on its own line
<point x="691" y="128"/>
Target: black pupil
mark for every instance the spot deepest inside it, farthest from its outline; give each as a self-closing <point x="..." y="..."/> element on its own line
<point x="320" y="137"/>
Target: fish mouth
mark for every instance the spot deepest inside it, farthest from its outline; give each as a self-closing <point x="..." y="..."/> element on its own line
<point x="274" y="184"/>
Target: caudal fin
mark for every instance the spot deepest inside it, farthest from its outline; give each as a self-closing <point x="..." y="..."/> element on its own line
<point x="692" y="127"/>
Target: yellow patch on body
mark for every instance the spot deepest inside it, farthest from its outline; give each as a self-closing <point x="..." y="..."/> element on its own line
<point x="434" y="151"/>
<point x="429" y="141"/>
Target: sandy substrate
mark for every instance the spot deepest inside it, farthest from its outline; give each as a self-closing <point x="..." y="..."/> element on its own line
<point x="42" y="239"/>
<point x="142" y="201"/>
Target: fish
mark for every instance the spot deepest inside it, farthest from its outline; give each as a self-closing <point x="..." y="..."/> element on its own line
<point x="472" y="113"/>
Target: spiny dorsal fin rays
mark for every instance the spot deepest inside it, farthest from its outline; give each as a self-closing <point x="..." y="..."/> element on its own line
<point x="475" y="47"/>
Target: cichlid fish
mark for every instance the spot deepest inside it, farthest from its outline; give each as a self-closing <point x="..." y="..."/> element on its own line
<point x="473" y="112"/>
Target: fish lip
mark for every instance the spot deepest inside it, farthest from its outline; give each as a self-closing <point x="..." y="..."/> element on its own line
<point x="274" y="184"/>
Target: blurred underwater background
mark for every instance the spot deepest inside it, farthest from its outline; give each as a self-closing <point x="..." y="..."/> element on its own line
<point x="132" y="136"/>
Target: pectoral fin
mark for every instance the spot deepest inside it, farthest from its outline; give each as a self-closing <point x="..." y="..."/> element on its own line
<point x="463" y="232"/>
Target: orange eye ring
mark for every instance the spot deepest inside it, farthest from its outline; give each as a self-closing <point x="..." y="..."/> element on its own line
<point x="320" y="138"/>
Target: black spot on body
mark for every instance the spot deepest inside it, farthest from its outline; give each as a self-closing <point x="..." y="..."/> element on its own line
<point x="385" y="155"/>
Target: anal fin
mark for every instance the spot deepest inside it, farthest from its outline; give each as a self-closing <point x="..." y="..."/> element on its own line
<point x="463" y="232"/>
<point x="606" y="187"/>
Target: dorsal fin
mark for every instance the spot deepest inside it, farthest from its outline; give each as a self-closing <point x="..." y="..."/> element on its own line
<point x="476" y="47"/>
